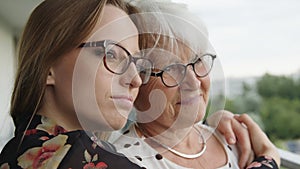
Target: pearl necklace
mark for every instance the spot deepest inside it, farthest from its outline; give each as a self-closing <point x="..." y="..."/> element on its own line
<point x="188" y="156"/>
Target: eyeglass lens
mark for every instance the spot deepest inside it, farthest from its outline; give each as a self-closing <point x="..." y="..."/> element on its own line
<point x="117" y="60"/>
<point x="174" y="74"/>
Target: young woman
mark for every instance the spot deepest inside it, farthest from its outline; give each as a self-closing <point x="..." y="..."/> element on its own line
<point x="66" y="42"/>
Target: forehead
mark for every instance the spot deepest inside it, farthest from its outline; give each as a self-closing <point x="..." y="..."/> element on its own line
<point x="164" y="55"/>
<point x="114" y="24"/>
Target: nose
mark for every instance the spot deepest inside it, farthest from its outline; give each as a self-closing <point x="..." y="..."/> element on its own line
<point x="131" y="77"/>
<point x="190" y="81"/>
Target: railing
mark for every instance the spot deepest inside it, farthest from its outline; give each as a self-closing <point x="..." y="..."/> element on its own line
<point x="289" y="160"/>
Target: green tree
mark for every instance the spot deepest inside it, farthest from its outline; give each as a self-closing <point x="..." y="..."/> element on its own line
<point x="277" y="86"/>
<point x="275" y="100"/>
<point x="280" y="108"/>
<point x="281" y="117"/>
<point x="248" y="101"/>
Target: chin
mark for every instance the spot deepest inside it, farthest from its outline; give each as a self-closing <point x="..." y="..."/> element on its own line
<point x="201" y="115"/>
<point x="199" y="119"/>
<point x="117" y="122"/>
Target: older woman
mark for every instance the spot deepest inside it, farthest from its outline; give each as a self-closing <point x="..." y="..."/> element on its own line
<point x="168" y="132"/>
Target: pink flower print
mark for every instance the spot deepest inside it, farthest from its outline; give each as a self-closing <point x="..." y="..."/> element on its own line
<point x="90" y="161"/>
<point x="100" y="165"/>
<point x="30" y="132"/>
<point x="4" y="166"/>
<point x="50" y="127"/>
<point x="89" y="165"/>
<point x="49" y="155"/>
<point x="44" y="138"/>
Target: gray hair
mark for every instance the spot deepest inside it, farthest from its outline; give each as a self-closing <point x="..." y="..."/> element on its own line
<point x="169" y="23"/>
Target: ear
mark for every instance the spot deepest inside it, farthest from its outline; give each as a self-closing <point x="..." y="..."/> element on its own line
<point x="50" y="77"/>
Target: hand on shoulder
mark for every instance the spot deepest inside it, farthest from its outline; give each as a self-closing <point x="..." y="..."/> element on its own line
<point x="261" y="144"/>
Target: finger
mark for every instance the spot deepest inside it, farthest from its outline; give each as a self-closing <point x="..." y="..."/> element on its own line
<point x="244" y="142"/>
<point x="251" y="126"/>
<point x="226" y="129"/>
<point x="224" y="125"/>
<point x="219" y="117"/>
<point x="261" y="144"/>
<point x="251" y="158"/>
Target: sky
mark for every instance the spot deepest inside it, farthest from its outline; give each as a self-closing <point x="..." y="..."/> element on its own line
<point x="252" y="37"/>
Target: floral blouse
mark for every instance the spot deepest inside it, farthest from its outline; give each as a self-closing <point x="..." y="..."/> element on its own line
<point x="47" y="145"/>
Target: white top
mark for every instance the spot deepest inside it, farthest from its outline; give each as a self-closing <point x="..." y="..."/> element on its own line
<point x="139" y="152"/>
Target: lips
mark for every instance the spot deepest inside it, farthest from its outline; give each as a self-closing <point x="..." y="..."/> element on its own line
<point x="186" y="100"/>
<point x="123" y="101"/>
<point x="129" y="98"/>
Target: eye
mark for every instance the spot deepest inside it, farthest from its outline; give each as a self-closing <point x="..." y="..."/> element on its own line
<point x="99" y="52"/>
<point x="111" y="54"/>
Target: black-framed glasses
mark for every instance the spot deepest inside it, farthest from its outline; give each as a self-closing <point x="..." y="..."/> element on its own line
<point x="174" y="74"/>
<point x="117" y="59"/>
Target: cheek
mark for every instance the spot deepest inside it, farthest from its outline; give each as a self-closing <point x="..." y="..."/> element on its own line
<point x="103" y="85"/>
<point x="205" y="86"/>
<point x="63" y="72"/>
<point x="142" y="101"/>
<point x="172" y="94"/>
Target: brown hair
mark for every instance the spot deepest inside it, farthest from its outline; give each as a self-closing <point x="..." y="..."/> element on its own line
<point x="54" y="28"/>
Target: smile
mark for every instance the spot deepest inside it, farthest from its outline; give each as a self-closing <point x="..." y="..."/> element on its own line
<point x="190" y="100"/>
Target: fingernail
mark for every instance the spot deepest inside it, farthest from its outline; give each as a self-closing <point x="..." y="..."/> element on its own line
<point x="232" y="140"/>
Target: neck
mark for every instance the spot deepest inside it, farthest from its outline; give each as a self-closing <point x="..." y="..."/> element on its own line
<point x="58" y="114"/>
<point x="191" y="146"/>
<point x="170" y="136"/>
<point x="60" y="120"/>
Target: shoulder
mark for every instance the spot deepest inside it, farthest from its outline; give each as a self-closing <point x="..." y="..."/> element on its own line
<point x="8" y="154"/>
<point x="231" y="151"/>
<point x="89" y="152"/>
<point x="25" y="149"/>
<point x="68" y="150"/>
<point x="138" y="151"/>
<point x="118" y="138"/>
